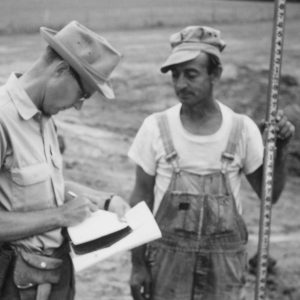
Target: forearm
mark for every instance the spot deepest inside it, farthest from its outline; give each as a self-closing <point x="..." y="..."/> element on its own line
<point x="143" y="188"/>
<point x="139" y="195"/>
<point x="285" y="132"/>
<point x="280" y="171"/>
<point x="143" y="191"/>
<point x="19" y="225"/>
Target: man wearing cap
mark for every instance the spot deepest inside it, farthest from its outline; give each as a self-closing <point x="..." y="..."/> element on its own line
<point x="190" y="159"/>
<point x="35" y="202"/>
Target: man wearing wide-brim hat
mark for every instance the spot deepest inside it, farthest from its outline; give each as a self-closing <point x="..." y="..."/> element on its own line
<point x="35" y="201"/>
<point x="190" y="159"/>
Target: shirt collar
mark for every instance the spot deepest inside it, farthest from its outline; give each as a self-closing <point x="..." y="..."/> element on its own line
<point x="25" y="106"/>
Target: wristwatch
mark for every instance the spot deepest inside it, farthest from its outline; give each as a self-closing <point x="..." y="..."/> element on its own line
<point x="107" y="202"/>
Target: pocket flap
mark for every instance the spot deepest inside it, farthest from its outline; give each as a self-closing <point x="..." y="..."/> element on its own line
<point x="31" y="174"/>
<point x="32" y="269"/>
<point x="42" y="262"/>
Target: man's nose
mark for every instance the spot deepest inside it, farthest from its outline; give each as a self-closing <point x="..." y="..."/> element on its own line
<point x="181" y="82"/>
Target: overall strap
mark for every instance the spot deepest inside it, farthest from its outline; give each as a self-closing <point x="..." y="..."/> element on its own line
<point x="164" y="128"/>
<point x="234" y="137"/>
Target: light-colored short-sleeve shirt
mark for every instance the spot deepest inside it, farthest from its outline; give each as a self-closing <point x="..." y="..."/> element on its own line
<point x="197" y="154"/>
<point x="31" y="164"/>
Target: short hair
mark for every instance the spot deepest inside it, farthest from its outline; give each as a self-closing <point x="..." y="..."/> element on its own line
<point x="213" y="64"/>
<point x="51" y="55"/>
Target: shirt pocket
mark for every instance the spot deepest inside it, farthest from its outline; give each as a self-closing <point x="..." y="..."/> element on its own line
<point x="31" y="187"/>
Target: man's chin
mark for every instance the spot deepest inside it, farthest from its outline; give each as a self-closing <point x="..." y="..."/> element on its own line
<point x="50" y="113"/>
<point x="185" y="99"/>
<point x="185" y="96"/>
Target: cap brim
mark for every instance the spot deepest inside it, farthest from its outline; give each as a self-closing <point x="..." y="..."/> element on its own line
<point x="177" y="58"/>
<point x="187" y="53"/>
<point x="88" y="80"/>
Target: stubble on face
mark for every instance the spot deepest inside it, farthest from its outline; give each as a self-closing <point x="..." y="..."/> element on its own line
<point x="192" y="83"/>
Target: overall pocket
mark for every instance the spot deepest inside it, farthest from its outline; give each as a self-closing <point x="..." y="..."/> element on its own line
<point x="221" y="275"/>
<point x="229" y="268"/>
<point x="172" y="273"/>
<point x="181" y="212"/>
<point x="219" y="214"/>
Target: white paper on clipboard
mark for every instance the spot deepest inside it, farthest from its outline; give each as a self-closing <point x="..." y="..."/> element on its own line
<point x="144" y="230"/>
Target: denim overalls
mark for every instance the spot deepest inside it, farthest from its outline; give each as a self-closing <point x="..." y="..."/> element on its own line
<point x="201" y="255"/>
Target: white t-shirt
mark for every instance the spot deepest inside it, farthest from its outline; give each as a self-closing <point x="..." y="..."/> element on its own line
<point x="199" y="154"/>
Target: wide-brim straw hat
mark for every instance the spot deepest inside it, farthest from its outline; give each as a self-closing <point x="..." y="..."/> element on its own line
<point x="89" y="54"/>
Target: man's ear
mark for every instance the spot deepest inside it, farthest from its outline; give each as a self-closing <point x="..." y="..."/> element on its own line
<point x="61" y="67"/>
<point x="216" y="74"/>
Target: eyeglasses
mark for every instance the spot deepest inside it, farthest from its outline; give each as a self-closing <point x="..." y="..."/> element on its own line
<point x="84" y="95"/>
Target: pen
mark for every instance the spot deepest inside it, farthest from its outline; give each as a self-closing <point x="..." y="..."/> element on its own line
<point x="72" y="194"/>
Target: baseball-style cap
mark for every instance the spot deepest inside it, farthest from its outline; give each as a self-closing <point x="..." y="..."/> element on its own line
<point x="189" y="42"/>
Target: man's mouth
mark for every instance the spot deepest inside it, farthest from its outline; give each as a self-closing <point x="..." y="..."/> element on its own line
<point x="184" y="94"/>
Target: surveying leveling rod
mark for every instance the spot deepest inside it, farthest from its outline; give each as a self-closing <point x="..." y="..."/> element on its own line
<point x="270" y="148"/>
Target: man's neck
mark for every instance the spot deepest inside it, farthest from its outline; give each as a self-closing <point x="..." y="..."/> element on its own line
<point x="32" y="83"/>
<point x="201" y="119"/>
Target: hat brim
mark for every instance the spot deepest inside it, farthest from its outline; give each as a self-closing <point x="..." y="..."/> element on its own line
<point x="187" y="52"/>
<point x="179" y="57"/>
<point x="90" y="83"/>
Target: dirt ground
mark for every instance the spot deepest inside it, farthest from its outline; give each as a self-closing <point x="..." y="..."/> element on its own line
<point x="98" y="137"/>
<point x="109" y="279"/>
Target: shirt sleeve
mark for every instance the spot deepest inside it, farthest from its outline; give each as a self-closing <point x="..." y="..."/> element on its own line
<point x="254" y="147"/>
<point x="142" y="149"/>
